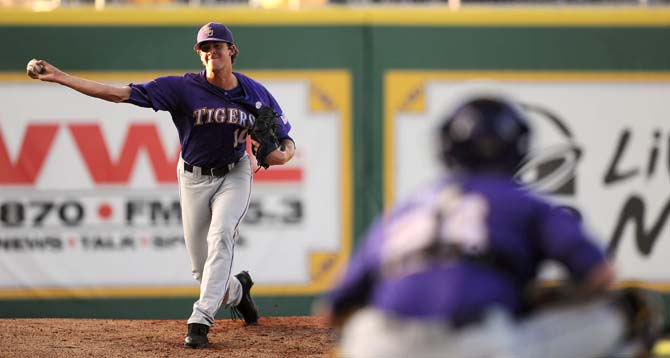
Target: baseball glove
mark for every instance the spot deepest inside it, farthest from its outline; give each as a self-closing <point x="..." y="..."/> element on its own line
<point x="264" y="133"/>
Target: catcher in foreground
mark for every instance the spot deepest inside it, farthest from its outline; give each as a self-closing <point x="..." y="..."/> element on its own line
<point x="445" y="274"/>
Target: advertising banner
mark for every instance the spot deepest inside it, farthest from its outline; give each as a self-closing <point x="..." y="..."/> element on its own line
<point x="89" y="204"/>
<point x="602" y="149"/>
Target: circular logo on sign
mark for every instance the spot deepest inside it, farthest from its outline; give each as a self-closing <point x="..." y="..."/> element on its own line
<point x="551" y="168"/>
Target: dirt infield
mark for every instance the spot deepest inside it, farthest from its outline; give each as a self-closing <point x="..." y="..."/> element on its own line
<point x="273" y="337"/>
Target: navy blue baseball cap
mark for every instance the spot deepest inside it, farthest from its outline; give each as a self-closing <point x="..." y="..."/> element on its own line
<point x="214" y="31"/>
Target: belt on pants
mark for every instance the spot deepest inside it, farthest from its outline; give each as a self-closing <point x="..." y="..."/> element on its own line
<point x="215" y="172"/>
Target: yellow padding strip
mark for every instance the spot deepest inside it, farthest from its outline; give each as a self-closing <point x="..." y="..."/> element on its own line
<point x="402" y="16"/>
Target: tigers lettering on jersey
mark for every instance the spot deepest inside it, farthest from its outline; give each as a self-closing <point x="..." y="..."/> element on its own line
<point x="223" y="115"/>
<point x="212" y="123"/>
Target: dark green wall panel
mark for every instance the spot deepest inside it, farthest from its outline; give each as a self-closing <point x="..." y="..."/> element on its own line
<point x="161" y="47"/>
<point x="522" y="48"/>
<point x="141" y="308"/>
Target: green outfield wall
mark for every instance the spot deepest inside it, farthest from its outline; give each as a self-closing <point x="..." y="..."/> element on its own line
<point x="365" y="42"/>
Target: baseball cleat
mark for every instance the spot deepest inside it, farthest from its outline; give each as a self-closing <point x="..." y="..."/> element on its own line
<point x="247" y="307"/>
<point x="197" y="336"/>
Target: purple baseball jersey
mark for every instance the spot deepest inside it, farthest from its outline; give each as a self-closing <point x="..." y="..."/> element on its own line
<point x="212" y="122"/>
<point x="485" y="216"/>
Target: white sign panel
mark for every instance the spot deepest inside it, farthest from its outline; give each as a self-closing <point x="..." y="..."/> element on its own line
<point x="602" y="148"/>
<point x="88" y="194"/>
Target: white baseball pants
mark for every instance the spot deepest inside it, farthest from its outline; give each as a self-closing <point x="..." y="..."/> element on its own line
<point x="212" y="209"/>
<point x="590" y="330"/>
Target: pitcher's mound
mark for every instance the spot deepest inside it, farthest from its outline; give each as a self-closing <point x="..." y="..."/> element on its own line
<point x="71" y="338"/>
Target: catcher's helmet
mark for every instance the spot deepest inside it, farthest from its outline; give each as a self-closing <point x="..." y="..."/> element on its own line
<point x="485" y="134"/>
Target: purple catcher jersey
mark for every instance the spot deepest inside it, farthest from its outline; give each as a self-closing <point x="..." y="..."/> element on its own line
<point x="212" y="122"/>
<point x="398" y="268"/>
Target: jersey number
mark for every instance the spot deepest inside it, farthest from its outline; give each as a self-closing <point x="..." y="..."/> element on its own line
<point x="240" y="134"/>
<point x="465" y="223"/>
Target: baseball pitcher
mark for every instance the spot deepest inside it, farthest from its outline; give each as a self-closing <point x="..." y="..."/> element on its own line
<point x="214" y="112"/>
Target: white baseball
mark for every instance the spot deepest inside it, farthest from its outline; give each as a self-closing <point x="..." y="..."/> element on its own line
<point x="34" y="67"/>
